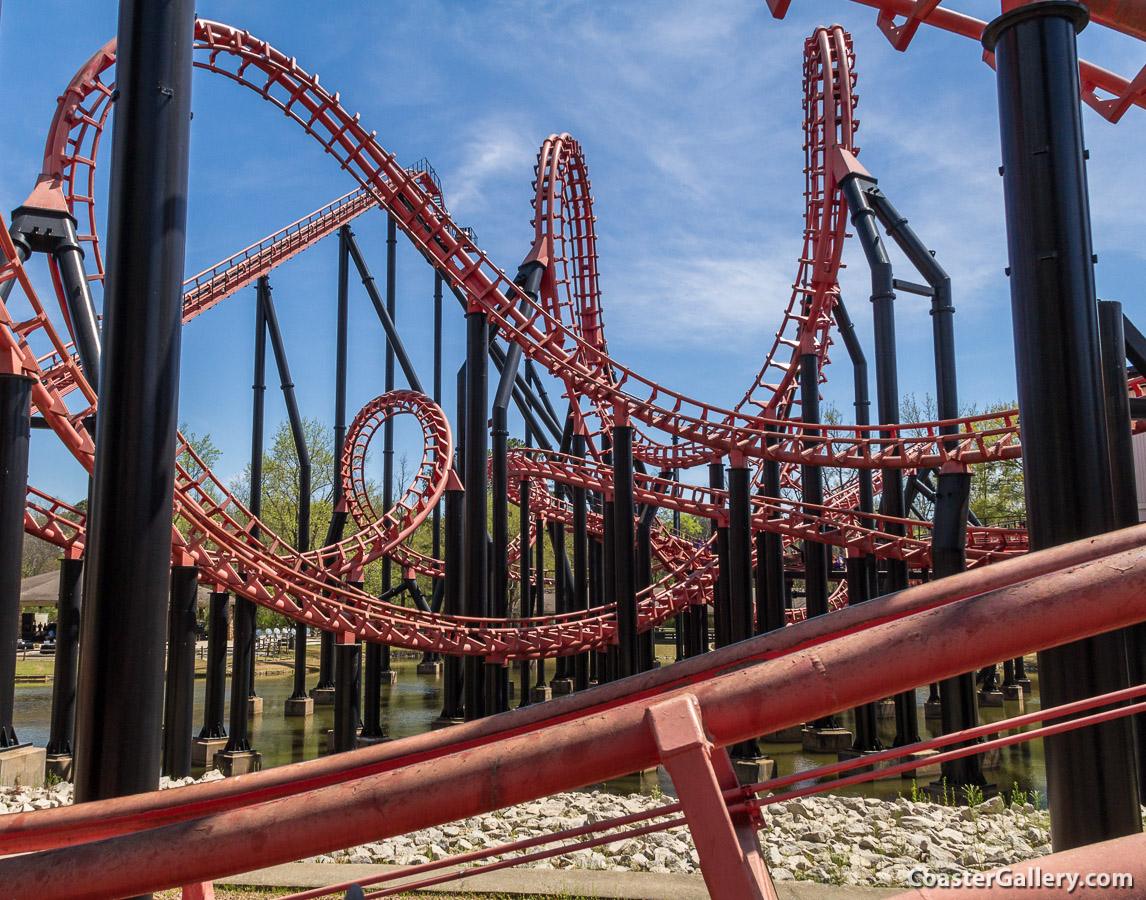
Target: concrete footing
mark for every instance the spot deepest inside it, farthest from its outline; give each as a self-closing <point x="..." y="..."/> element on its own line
<point x="826" y="740"/>
<point x="388" y="676"/>
<point x="322" y="696"/>
<point x="1024" y="683"/>
<point x="924" y="769"/>
<point x="60" y="766"/>
<point x="850" y="753"/>
<point x="298" y="707"/>
<point x="254" y="706"/>
<point x="371" y="741"/>
<point x="429" y="668"/>
<point x="990" y="698"/>
<point x="885" y="709"/>
<point x="932" y="709"/>
<point x="792" y="735"/>
<point x="1012" y="692"/>
<point x="751" y="771"/>
<point x="444" y="722"/>
<point x="204" y="750"/>
<point x="561" y="686"/>
<point x="23" y="766"/>
<point x="238" y="762"/>
<point x="539" y="693"/>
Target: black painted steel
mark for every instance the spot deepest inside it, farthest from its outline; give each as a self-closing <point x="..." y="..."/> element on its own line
<point x="957" y="699"/>
<point x="475" y="554"/>
<point x="721" y="615"/>
<point x="646" y="640"/>
<point x="770" y="594"/>
<point x="1111" y="323"/>
<point x="740" y="553"/>
<point x="302" y="530"/>
<point x="950" y="497"/>
<point x="15" y="433"/>
<point x="609" y="575"/>
<point x="624" y="539"/>
<point x="580" y="500"/>
<point x="179" y="706"/>
<point x="54" y="231"/>
<point x="740" y="573"/>
<point x="436" y="525"/>
<point x="68" y="604"/>
<point x="860" y="569"/>
<point x="525" y="572"/>
<point x="119" y="707"/>
<point x="385" y="309"/>
<point x="562" y="580"/>
<point x="1091" y="779"/>
<point x="243" y="651"/>
<point x="338" y="518"/>
<point x="863" y="219"/>
<point x="215" y="690"/>
<point x="452" y="599"/>
<point x="539" y="588"/>
<point x="347" y="670"/>
<point x="812" y="480"/>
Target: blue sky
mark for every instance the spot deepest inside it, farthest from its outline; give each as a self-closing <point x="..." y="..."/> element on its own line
<point x="690" y="117"/>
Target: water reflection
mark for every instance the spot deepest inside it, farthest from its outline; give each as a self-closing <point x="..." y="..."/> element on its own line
<point x="409" y="705"/>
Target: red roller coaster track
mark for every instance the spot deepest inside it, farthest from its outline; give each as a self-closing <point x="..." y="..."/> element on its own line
<point x="1056" y="595"/>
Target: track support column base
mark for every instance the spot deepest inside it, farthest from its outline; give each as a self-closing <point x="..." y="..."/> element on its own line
<point x="729" y="852"/>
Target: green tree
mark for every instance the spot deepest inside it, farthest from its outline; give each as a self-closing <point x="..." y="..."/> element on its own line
<point x="281" y="483"/>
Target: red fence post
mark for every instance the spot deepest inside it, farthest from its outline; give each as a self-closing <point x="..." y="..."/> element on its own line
<point x="730" y="857"/>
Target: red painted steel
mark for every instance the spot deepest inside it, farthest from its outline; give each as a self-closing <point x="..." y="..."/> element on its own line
<point x="811" y="681"/>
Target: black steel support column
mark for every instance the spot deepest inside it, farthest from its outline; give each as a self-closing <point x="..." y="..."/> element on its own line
<point x="242" y="653"/>
<point x="302" y="521"/>
<point x="215" y="696"/>
<point x="179" y="708"/>
<point x="1123" y="489"/>
<point x="243" y="648"/>
<point x="381" y="657"/>
<point x="580" y="563"/>
<point x="958" y="707"/>
<point x="539" y="589"/>
<point x="347" y="671"/>
<point x="561" y="586"/>
<point x="15" y="431"/>
<point x="721" y="614"/>
<point x="812" y="479"/>
<point x="624" y="540"/>
<point x="1092" y="784"/>
<point x="740" y="571"/>
<point x="476" y="556"/>
<point x="740" y="552"/>
<point x="436" y="526"/>
<point x="646" y="639"/>
<point x="860" y="569"/>
<point x="119" y="707"/>
<point x="452" y="597"/>
<point x="338" y="518"/>
<point x="771" y="612"/>
<point x="609" y="579"/>
<point x="859" y="591"/>
<point x="887" y="403"/>
<point x="68" y="604"/>
<point x="525" y="572"/>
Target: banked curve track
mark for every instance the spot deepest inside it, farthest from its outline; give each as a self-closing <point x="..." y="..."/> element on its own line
<point x="574" y="351"/>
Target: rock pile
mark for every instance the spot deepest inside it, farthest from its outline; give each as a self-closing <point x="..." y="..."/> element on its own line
<point x="830" y="839"/>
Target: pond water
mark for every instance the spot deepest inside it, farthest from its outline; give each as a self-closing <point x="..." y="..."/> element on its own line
<point x="409" y="706"/>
